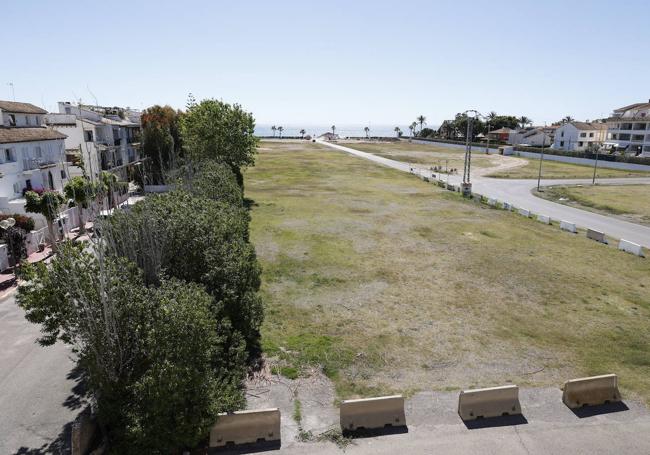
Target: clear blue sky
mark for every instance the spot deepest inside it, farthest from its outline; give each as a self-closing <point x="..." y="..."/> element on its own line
<point x="354" y="62"/>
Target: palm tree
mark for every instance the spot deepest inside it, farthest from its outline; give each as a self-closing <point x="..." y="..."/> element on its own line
<point x="333" y="129"/>
<point x="273" y="128"/>
<point x="567" y="119"/>
<point x="492" y="115"/>
<point x="280" y="129"/>
<point x="523" y="121"/>
<point x="302" y="133"/>
<point x="367" y="130"/>
<point x="422" y="120"/>
<point x="397" y="131"/>
<point x="412" y="127"/>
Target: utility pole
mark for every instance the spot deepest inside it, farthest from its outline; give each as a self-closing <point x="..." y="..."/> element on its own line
<point x="487" y="147"/>
<point x="541" y="158"/>
<point x="13" y="92"/>
<point x="466" y="186"/>
<point x="593" y="180"/>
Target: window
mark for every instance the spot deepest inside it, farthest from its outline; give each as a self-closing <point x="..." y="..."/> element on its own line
<point x="28" y="120"/>
<point x="39" y="152"/>
<point x="583" y="134"/>
<point x="614" y="136"/>
<point x="562" y="134"/>
<point x="28" y="184"/>
<point x="562" y="142"/>
<point x="624" y="137"/>
<point x="88" y="135"/>
<point x="17" y="187"/>
<point x="9" y="155"/>
<point x="12" y="120"/>
<point x="63" y="174"/>
<point x="591" y="134"/>
<point x="67" y="110"/>
<point x="580" y="144"/>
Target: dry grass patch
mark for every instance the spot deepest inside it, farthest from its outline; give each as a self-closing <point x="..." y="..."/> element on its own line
<point x="389" y="283"/>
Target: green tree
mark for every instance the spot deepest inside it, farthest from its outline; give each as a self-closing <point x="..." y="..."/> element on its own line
<point x="81" y="191"/>
<point x="215" y="181"/>
<point x="302" y="133"/>
<point x="161" y="141"/>
<point x="524" y="121"/>
<point x="333" y="127"/>
<point x="422" y="120"/>
<point x="219" y="131"/>
<point x="366" y="130"/>
<point x="280" y="130"/>
<point x="398" y="131"/>
<point x="47" y="204"/>
<point x="274" y="129"/>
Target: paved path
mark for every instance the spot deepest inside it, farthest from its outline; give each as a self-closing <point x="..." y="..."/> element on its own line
<point x="518" y="193"/>
<point x="547" y="426"/>
<point x="38" y="394"/>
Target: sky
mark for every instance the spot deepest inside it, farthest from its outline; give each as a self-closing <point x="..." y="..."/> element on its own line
<point x="332" y="62"/>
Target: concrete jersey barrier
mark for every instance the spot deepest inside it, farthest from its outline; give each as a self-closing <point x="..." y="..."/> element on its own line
<point x="491" y="402"/>
<point x="372" y="413"/>
<point x="524" y="212"/>
<point x="596" y="235"/>
<point x="631" y="247"/>
<point x="570" y="227"/>
<point x="544" y="219"/>
<point x="591" y="391"/>
<point x="246" y="427"/>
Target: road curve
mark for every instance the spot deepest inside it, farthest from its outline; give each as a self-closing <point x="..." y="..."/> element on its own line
<point x="518" y="193"/>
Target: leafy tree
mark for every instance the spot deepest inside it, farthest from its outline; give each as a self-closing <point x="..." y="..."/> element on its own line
<point x="47" y="204"/>
<point x="302" y="133"/>
<point x="422" y="120"/>
<point x="213" y="239"/>
<point x="15" y="238"/>
<point x="161" y="141"/>
<point x="412" y="127"/>
<point x="219" y="131"/>
<point x="398" y="131"/>
<point x="159" y="365"/>
<point x="426" y="132"/>
<point x="213" y="180"/>
<point x="81" y="191"/>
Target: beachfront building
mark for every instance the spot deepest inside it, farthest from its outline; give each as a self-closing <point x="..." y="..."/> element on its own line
<point x="99" y="138"/>
<point x="31" y="155"/>
<point x="501" y="134"/>
<point x="580" y="136"/>
<point x="628" y="130"/>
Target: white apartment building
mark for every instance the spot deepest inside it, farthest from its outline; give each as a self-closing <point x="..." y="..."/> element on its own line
<point x="628" y="130"/>
<point x="580" y="136"/>
<point x="31" y="155"/>
<point x="102" y="138"/>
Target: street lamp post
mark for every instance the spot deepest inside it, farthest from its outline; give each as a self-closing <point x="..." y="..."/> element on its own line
<point x="593" y="180"/>
<point x="541" y="157"/>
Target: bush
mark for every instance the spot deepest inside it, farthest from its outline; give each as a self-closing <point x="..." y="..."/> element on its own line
<point x="159" y="364"/>
<point x="196" y="240"/>
<point x="213" y="180"/>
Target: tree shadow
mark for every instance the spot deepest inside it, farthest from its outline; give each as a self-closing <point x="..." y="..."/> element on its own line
<point x="231" y="449"/>
<point x="249" y="203"/>
<point x="60" y="446"/>
<point x="607" y="408"/>
<point x="77" y="400"/>
<point x="491" y="422"/>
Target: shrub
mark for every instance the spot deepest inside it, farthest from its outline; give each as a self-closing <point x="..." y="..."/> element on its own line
<point x="213" y="180"/>
<point x="24" y="222"/>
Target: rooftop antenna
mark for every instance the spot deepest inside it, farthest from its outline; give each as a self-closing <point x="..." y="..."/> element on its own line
<point x="93" y="95"/>
<point x="13" y="92"/>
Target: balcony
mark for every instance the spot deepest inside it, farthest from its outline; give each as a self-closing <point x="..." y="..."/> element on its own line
<point x="30" y="164"/>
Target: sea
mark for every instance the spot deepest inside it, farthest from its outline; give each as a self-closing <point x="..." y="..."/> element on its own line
<point x="341" y="130"/>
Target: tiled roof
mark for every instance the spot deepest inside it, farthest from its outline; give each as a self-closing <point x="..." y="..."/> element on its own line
<point x="21" y="108"/>
<point x="633" y="106"/>
<point x="10" y="135"/>
<point x="589" y="126"/>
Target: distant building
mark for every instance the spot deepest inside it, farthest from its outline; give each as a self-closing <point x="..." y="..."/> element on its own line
<point x="329" y="136"/>
<point x="501" y="135"/>
<point x="534" y="136"/>
<point x="580" y="136"/>
<point x="31" y="155"/>
<point x="628" y="130"/>
<point x="102" y="138"/>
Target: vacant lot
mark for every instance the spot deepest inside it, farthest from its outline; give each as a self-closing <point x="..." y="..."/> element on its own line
<point x="390" y="284"/>
<point x="631" y="202"/>
<point x="426" y="154"/>
<point x="558" y="170"/>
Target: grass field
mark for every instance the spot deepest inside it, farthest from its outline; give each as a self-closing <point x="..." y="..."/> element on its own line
<point x="631" y="202"/>
<point x="429" y="155"/>
<point x="558" y="170"/>
<point x="388" y="283"/>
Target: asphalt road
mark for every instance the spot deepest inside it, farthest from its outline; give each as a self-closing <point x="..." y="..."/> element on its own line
<point x="39" y="391"/>
<point x="518" y="193"/>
